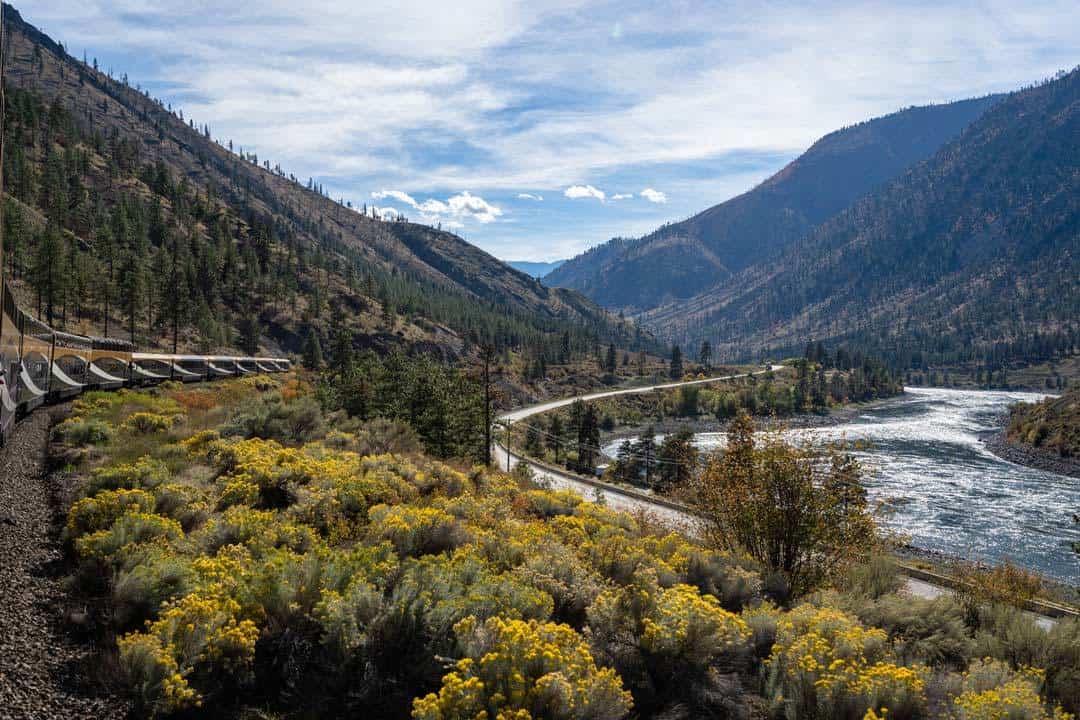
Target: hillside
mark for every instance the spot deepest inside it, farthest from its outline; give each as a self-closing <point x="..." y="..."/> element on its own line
<point x="123" y="218"/>
<point x="970" y="257"/>
<point x="682" y="259"/>
<point x="1052" y="425"/>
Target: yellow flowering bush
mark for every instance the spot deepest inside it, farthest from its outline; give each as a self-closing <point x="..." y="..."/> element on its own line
<point x="128" y="530"/>
<point x="447" y="588"/>
<point x="99" y="512"/>
<point x="416" y="531"/>
<point x="521" y="670"/>
<point x="146" y="472"/>
<point x="691" y="630"/>
<point x="826" y="664"/>
<point x="991" y="691"/>
<point x="198" y="634"/>
<point x="150" y="422"/>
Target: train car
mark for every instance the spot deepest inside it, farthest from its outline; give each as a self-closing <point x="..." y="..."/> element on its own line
<point x="155" y="367"/>
<point x="220" y="366"/>
<point x="35" y="362"/>
<point x="39" y="364"/>
<point x="199" y="365"/>
<point x="110" y="363"/>
<point x="9" y="362"/>
<point x="71" y="358"/>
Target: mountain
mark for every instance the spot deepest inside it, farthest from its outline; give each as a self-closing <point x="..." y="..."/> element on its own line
<point x="682" y="259"/>
<point x="538" y="270"/>
<point x="122" y="217"/>
<point x="970" y="257"/>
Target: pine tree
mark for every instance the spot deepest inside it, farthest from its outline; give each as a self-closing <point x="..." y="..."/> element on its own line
<point x="313" y="357"/>
<point x="676" y="368"/>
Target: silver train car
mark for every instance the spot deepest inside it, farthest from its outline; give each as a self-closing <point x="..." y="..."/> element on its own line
<point x="39" y="365"/>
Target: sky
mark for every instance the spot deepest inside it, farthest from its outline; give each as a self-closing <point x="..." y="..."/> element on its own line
<point x="537" y="129"/>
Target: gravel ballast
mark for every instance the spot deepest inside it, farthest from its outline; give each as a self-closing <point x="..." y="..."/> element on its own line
<point x="43" y="667"/>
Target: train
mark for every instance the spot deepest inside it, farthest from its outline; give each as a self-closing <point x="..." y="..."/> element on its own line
<point x="40" y="365"/>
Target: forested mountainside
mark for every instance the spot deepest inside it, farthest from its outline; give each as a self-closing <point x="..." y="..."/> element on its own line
<point x="682" y="259"/>
<point x="971" y="257"/>
<point x="124" y="218"/>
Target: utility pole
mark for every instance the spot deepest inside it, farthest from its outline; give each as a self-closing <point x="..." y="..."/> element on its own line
<point x="487" y="354"/>
<point x="508" y="436"/>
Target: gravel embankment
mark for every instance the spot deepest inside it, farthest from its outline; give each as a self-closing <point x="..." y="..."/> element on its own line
<point x="44" y="670"/>
<point x="1032" y="457"/>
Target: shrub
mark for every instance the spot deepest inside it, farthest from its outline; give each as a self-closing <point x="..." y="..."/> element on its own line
<point x="928" y="631"/>
<point x="79" y="431"/>
<point x="1004" y="584"/>
<point x="272" y="418"/>
<point x="131" y="529"/>
<point x="1012" y="635"/>
<point x="762" y="621"/>
<point x="875" y="577"/>
<point x="198" y="645"/>
<point x="183" y="503"/>
<point x="521" y="670"/>
<point x="667" y="644"/>
<point x="554" y="569"/>
<point x="416" y="531"/>
<point x="689" y="632"/>
<point x="721" y="575"/>
<point x="145" y="423"/>
<point x="377" y="436"/>
<point x="99" y="512"/>
<point x="139" y="592"/>
<point x="146" y="473"/>
<point x="826" y="665"/>
<point x="990" y="691"/>
<point x="550" y="503"/>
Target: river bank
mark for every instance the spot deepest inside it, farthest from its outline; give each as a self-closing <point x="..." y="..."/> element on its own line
<point x="1035" y="458"/>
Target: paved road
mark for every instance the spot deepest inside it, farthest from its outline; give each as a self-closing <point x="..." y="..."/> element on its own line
<point x="620" y="498"/>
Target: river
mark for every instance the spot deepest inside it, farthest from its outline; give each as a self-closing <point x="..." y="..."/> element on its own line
<point x="945" y="491"/>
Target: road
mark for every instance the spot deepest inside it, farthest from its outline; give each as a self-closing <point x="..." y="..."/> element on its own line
<point x="632" y="501"/>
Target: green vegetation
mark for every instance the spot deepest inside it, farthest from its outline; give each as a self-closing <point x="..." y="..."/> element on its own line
<point x="257" y="552"/>
<point x="1053" y="424"/>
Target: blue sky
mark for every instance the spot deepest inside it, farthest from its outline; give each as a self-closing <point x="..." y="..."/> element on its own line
<point x="620" y="116"/>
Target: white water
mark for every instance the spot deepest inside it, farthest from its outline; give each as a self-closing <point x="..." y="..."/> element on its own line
<point x="945" y="491"/>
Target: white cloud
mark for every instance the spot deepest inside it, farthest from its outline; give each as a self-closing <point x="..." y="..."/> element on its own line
<point x="622" y="196"/>
<point x="583" y="191"/>
<point x="395" y="194"/>
<point x="467" y="205"/>
<point x="462" y="205"/>
<point x="530" y="196"/>
<point x="654" y="195"/>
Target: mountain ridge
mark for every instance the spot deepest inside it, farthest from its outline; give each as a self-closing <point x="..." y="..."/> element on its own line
<point x="726" y="238"/>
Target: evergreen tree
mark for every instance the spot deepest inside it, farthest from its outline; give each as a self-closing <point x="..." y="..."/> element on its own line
<point x="705" y="356"/>
<point x="313" y="357"/>
<point x="676" y="368"/>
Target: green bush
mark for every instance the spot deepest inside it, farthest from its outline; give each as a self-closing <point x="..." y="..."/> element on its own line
<point x="272" y="418"/>
<point x="78" y="431"/>
<point x="127" y="531"/>
<point x="927" y="631"/>
<point x="145" y="473"/>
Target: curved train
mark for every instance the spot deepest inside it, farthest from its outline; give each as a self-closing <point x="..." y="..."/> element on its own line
<point x="40" y="365"/>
